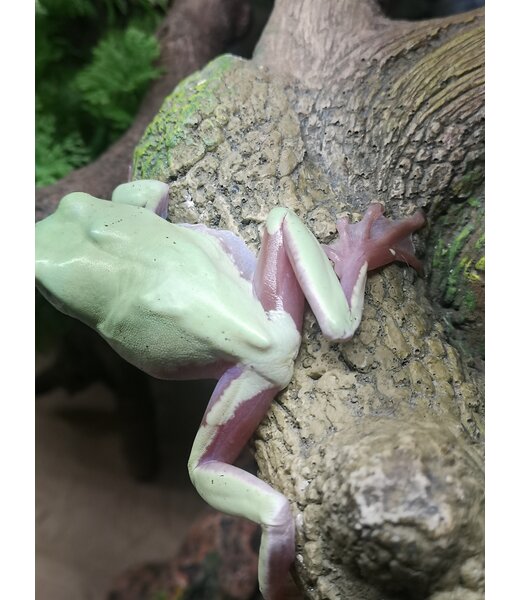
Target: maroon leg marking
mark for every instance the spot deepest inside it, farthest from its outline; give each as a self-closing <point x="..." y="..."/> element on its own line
<point x="274" y="282"/>
<point x="231" y="437"/>
<point x="225" y="443"/>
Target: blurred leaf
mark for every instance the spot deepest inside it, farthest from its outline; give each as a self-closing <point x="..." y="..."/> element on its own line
<point x="122" y="67"/>
<point x="94" y="62"/>
<point x="69" y="8"/>
<point x="55" y="156"/>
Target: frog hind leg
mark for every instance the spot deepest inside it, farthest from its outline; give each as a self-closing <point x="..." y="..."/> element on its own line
<point x="238" y="404"/>
<point x="306" y="272"/>
<point x="235" y="247"/>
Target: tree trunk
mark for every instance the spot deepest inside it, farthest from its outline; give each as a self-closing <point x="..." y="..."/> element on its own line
<point x="395" y="109"/>
<point x="377" y="443"/>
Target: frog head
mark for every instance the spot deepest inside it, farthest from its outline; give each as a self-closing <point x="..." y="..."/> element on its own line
<point x="73" y="270"/>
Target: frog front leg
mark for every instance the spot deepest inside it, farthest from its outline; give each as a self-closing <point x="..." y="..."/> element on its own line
<point x="146" y="193"/>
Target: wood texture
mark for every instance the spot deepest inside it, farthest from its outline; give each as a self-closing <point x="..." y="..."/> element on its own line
<point x="366" y="439"/>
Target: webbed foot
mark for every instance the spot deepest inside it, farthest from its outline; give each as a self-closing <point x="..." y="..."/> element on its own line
<point x="375" y="241"/>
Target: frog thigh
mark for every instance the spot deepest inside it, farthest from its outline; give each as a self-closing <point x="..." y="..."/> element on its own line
<point x="242" y="256"/>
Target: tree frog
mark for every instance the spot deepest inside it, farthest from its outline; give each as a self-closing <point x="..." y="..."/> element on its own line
<point x="184" y="301"/>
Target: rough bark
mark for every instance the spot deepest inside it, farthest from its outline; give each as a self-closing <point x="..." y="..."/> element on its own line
<point x="377" y="443"/>
<point x="396" y="109"/>
<point x="192" y="33"/>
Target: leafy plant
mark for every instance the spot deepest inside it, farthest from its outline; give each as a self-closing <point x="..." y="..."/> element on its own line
<point x="56" y="156"/>
<point x="94" y="61"/>
<point x="111" y="86"/>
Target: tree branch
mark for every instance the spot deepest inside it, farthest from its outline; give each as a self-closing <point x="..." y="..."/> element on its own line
<point x="394" y="110"/>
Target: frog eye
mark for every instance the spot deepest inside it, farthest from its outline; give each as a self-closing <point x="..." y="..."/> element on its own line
<point x="76" y="204"/>
<point x="146" y="193"/>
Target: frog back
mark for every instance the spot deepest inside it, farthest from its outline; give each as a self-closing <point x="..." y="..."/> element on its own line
<point x="180" y="298"/>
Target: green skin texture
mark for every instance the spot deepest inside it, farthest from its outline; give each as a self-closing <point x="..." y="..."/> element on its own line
<point x="170" y="299"/>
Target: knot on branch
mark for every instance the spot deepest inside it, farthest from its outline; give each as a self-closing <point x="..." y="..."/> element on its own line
<point x="403" y="505"/>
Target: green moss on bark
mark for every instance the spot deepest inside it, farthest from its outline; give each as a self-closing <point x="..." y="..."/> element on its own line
<point x="182" y="131"/>
<point x="458" y="269"/>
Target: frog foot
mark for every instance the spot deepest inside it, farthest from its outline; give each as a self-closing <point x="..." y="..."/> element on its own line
<point x="371" y="243"/>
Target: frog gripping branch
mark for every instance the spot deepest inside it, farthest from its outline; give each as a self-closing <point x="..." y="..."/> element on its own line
<point x="188" y="302"/>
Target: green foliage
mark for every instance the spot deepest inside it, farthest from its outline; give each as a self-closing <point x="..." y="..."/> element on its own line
<point x="67" y="8"/>
<point x="55" y="156"/>
<point x="94" y="61"/>
<point x="111" y="86"/>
